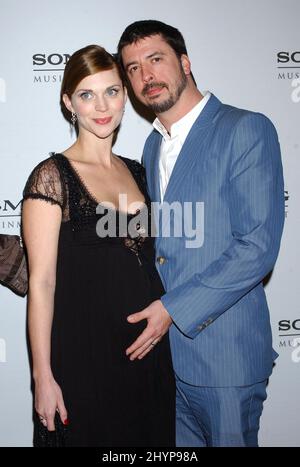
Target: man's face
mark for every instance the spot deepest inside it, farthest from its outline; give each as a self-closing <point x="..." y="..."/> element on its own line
<point x="157" y="76"/>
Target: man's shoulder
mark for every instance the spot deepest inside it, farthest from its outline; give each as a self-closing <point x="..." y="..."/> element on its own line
<point x="231" y="114"/>
<point x="231" y="119"/>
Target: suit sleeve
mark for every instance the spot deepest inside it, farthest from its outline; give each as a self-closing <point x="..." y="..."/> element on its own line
<point x="256" y="205"/>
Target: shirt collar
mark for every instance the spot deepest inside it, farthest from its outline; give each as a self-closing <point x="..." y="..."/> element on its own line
<point x="182" y="127"/>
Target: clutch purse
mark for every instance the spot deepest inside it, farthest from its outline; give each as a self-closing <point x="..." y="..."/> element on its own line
<point x="43" y="438"/>
<point x="13" y="265"/>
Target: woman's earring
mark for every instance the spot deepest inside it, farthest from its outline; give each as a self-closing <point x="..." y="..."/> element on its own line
<point x="73" y="118"/>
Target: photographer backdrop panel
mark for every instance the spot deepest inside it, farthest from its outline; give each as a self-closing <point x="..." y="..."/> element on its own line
<point x="247" y="53"/>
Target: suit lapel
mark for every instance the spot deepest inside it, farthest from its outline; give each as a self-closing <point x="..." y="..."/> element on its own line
<point x="153" y="170"/>
<point x="190" y="150"/>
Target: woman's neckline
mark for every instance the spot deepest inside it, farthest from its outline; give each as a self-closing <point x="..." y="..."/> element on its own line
<point x="89" y="192"/>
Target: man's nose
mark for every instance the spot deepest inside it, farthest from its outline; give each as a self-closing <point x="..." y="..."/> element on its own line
<point x="147" y="74"/>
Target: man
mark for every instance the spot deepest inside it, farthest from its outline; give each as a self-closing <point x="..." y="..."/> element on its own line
<point x="228" y="159"/>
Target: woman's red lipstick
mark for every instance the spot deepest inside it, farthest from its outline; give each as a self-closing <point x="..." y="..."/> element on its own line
<point x="102" y="121"/>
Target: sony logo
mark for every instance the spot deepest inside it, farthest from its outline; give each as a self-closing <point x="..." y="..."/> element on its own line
<point x="54" y="59"/>
<point x="287" y="325"/>
<point x="285" y="57"/>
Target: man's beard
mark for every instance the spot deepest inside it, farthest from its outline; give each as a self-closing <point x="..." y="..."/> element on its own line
<point x="160" y="107"/>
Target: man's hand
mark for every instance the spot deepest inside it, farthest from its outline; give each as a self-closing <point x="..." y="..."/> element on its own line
<point x="159" y="322"/>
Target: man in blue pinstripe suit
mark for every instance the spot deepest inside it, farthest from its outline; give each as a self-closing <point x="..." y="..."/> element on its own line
<point x="227" y="159"/>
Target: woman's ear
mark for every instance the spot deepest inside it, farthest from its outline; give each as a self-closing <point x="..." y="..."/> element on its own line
<point x="67" y="102"/>
<point x="125" y="95"/>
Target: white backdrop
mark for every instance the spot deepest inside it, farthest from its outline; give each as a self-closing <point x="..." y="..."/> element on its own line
<point x="234" y="47"/>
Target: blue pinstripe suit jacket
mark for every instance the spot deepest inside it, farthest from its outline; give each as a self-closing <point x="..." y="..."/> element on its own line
<point x="230" y="161"/>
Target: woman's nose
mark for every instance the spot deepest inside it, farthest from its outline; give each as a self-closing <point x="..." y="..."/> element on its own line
<point x="101" y="104"/>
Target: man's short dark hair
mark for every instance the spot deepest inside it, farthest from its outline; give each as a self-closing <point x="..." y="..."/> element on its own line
<point x="141" y="29"/>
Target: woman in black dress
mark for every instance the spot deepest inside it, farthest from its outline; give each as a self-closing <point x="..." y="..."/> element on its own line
<point x="89" y="271"/>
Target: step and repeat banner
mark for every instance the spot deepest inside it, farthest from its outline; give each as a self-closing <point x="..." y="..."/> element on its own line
<point x="246" y="53"/>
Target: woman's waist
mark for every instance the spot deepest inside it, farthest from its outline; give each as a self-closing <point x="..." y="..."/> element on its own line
<point x="89" y="235"/>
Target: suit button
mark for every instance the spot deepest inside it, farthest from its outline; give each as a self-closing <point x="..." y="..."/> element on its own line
<point x="200" y="328"/>
<point x="161" y="260"/>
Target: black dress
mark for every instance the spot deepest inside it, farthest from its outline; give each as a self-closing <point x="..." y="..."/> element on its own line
<point x="111" y="401"/>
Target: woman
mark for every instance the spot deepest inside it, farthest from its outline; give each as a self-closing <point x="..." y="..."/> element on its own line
<point x="87" y="274"/>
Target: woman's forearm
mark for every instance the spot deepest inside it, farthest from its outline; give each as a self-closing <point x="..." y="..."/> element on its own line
<point x="40" y="315"/>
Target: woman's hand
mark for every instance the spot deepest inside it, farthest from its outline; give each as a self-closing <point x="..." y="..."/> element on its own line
<point x="48" y="400"/>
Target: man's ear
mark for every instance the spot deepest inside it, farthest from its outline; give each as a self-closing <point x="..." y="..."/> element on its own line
<point x="67" y="102"/>
<point x="186" y="64"/>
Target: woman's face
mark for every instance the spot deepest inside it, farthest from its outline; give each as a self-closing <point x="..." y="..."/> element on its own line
<point x="98" y="102"/>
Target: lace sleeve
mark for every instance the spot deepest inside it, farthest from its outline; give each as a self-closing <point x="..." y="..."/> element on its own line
<point x="45" y="183"/>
